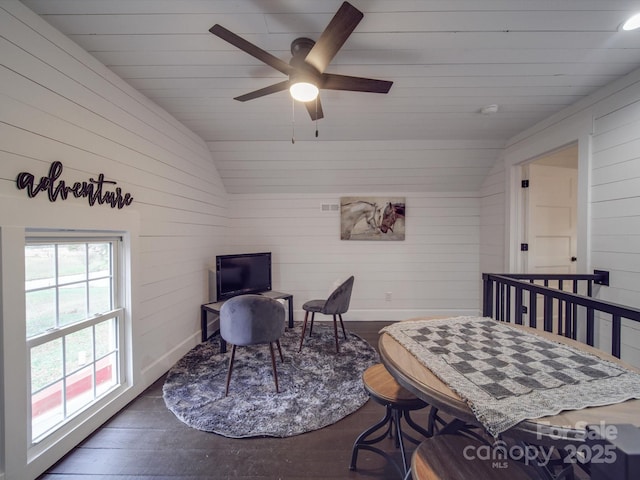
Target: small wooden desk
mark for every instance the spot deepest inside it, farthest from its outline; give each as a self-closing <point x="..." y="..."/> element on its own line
<point x="568" y="427"/>
<point x="215" y="307"/>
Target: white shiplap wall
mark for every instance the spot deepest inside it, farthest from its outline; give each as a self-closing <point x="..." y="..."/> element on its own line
<point x="380" y="166"/>
<point x="492" y="221"/>
<point x="57" y="103"/>
<point x="606" y="126"/>
<point x="615" y="207"/>
<point x="434" y="271"/>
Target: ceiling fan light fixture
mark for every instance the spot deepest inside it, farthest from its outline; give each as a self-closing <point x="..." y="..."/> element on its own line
<point x="632" y="23"/>
<point x="303" y="91"/>
<point x="308" y="62"/>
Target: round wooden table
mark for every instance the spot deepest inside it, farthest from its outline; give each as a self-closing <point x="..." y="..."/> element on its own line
<point x="560" y="430"/>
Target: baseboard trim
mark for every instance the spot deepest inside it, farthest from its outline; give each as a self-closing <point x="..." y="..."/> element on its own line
<point x="161" y="365"/>
<point x="392" y="315"/>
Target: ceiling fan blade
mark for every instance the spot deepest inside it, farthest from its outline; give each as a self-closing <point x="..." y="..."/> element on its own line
<point x="314" y="109"/>
<point x="331" y="81"/>
<point x="340" y="27"/>
<point x="251" y="49"/>
<point x="276" y="87"/>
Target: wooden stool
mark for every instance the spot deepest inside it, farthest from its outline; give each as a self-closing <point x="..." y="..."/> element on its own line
<point x="453" y="457"/>
<point x="384" y="389"/>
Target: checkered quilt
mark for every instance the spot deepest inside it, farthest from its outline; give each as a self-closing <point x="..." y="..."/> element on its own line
<point x="508" y="375"/>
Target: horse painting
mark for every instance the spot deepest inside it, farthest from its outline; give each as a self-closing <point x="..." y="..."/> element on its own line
<point x="392" y="212"/>
<point x="351" y="213"/>
<point x="372" y="218"/>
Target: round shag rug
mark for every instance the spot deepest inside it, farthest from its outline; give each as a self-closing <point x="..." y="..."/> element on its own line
<point x="318" y="386"/>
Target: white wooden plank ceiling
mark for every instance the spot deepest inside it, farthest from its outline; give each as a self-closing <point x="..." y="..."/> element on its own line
<point x="447" y="59"/>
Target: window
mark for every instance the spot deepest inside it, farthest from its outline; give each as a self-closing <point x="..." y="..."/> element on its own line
<point x="74" y="328"/>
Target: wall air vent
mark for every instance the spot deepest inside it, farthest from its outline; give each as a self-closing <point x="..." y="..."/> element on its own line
<point x="329" y="207"/>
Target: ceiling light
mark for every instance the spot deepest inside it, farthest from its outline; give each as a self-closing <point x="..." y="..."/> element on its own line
<point x="632" y="23"/>
<point x="303" y="91"/>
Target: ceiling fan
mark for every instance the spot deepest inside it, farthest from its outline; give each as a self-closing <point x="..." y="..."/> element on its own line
<point x="309" y="61"/>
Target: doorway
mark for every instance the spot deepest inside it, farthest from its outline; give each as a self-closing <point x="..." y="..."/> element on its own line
<point x="550" y="216"/>
<point x="550" y="203"/>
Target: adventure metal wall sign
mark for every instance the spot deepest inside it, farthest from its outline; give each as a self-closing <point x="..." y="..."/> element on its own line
<point x="92" y="190"/>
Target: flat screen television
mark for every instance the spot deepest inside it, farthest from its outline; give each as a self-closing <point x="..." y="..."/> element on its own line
<point x="242" y="273"/>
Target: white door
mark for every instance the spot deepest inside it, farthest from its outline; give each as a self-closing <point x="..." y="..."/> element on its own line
<point x="551" y="228"/>
<point x="552" y="232"/>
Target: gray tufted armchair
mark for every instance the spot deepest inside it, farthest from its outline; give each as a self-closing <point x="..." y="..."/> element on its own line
<point x="336" y="305"/>
<point x="252" y="320"/>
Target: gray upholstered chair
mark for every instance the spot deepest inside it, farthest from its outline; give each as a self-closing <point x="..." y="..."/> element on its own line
<point x="336" y="305"/>
<point x="252" y="320"/>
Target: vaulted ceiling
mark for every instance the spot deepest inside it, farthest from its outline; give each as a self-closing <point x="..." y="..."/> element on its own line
<point x="447" y="59"/>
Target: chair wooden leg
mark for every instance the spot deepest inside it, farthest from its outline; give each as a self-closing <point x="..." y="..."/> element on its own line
<point x="273" y="365"/>
<point x="342" y="325"/>
<point x="280" y="350"/>
<point x="233" y="354"/>
<point x="335" y="333"/>
<point x="313" y="316"/>
<point x="304" y="329"/>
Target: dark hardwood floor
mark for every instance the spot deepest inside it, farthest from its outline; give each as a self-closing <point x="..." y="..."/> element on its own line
<point x="146" y="441"/>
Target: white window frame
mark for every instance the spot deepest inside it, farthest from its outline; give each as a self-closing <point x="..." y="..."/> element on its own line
<point x="19" y="218"/>
<point x="37" y="446"/>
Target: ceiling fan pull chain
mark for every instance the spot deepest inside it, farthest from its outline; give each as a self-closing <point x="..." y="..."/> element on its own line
<point x="316" y="117"/>
<point x="293" y="121"/>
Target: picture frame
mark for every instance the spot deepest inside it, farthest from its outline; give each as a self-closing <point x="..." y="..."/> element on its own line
<point x="372" y="218"/>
